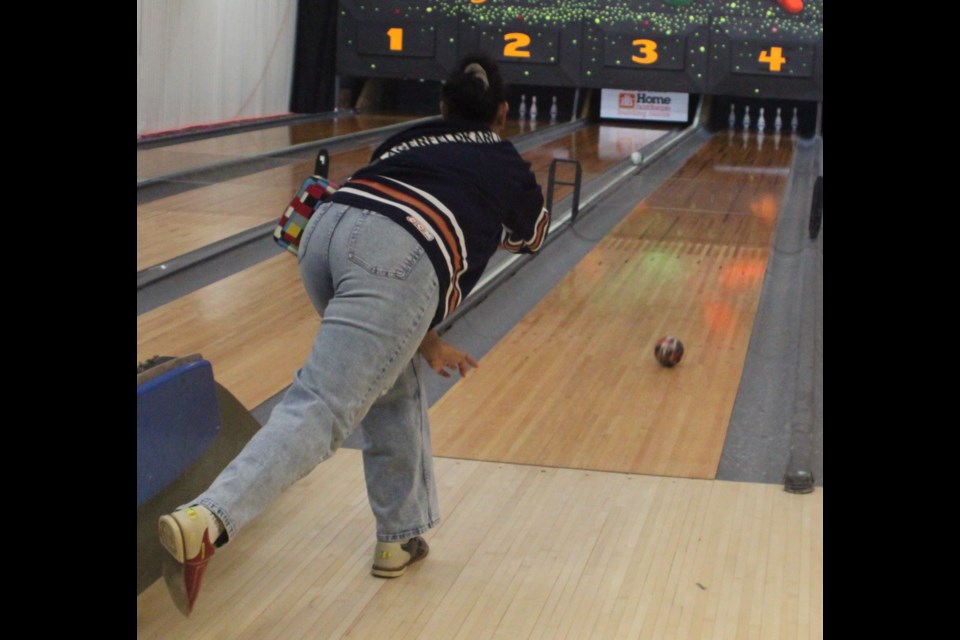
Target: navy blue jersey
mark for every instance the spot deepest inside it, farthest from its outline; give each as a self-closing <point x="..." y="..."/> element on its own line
<point x="461" y="191"/>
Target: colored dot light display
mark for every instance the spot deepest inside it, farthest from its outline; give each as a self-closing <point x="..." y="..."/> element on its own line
<point x="674" y="15"/>
<point x="686" y="45"/>
<point x="755" y="42"/>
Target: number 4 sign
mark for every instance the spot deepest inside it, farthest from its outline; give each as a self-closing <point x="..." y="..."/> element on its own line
<point x="773" y="57"/>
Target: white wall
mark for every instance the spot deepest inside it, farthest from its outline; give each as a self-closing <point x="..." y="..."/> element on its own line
<point x="207" y="61"/>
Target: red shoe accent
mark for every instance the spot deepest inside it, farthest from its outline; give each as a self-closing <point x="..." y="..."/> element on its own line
<point x="194" y="567"/>
<point x="183" y="573"/>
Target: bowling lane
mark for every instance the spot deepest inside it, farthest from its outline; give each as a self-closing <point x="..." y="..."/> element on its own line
<point x="514" y="128"/>
<point x="575" y="384"/>
<point x="234" y="321"/>
<point x="158" y="161"/>
<point x="522" y="553"/>
<point x="597" y="148"/>
<point x="255" y="328"/>
<point x="178" y="224"/>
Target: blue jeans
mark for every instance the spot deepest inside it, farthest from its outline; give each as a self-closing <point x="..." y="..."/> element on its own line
<point x="376" y="291"/>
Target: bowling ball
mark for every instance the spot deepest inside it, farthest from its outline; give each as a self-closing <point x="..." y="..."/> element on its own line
<point x="668" y="351"/>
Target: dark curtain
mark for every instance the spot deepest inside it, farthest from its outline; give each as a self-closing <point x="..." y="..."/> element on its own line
<point x="314" y="60"/>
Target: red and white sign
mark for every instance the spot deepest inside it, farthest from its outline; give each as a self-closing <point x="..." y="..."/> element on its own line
<point x="644" y="105"/>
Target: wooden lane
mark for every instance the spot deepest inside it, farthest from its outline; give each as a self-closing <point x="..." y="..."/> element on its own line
<point x="575" y="384"/>
<point x="156" y="162"/>
<point x="522" y="552"/>
<point x="178" y="224"/>
<point x="512" y="129"/>
<point x="255" y="328"/>
<point x="234" y="322"/>
<point x="597" y="148"/>
<point x="173" y="226"/>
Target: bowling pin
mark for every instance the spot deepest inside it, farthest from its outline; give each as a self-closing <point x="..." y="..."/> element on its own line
<point x="553" y="109"/>
<point x="732" y="120"/>
<point x="746" y="120"/>
<point x="522" y="111"/>
<point x="533" y="108"/>
<point x="761" y="121"/>
<point x="778" y="121"/>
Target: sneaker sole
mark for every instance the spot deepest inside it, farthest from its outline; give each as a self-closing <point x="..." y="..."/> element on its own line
<point x="172" y="538"/>
<point x="382" y="572"/>
<point x="389" y="573"/>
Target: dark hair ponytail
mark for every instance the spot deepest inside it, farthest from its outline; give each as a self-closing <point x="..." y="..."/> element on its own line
<point x="475" y="90"/>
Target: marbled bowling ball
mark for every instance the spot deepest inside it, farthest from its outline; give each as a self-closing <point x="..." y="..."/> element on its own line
<point x="668" y="351"/>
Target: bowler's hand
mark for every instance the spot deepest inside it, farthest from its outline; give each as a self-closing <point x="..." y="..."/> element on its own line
<point x="442" y="355"/>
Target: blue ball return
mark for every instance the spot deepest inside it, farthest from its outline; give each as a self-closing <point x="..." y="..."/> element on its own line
<point x="178" y="418"/>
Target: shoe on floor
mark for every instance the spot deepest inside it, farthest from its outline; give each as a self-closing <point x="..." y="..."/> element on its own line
<point x="391" y="559"/>
<point x="185" y="534"/>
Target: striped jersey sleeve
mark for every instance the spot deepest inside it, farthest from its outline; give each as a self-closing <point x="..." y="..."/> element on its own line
<point x="515" y="242"/>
